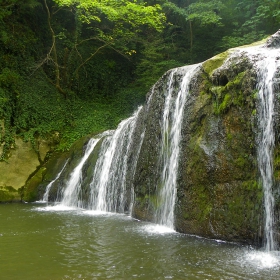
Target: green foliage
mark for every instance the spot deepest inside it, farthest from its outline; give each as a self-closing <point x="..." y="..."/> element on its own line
<point x="105" y="25"/>
<point x="251" y="21"/>
<point x="122" y="12"/>
<point x="42" y="111"/>
<point x="8" y="194"/>
<point x="107" y="55"/>
<point x="148" y="73"/>
<point x="205" y="13"/>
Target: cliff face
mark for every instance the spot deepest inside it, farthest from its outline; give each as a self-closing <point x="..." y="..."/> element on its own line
<point x="219" y="192"/>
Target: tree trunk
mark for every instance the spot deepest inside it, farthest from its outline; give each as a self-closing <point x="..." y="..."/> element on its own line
<point x="52" y="55"/>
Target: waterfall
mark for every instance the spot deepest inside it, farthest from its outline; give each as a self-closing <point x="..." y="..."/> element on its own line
<point x="72" y="191"/>
<point x="170" y="147"/>
<point x="133" y="170"/>
<point x="108" y="188"/>
<point x="266" y="69"/>
<point x="49" y="186"/>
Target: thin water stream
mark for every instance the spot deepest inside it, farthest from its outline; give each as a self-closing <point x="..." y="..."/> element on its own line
<point x="170" y="147"/>
<point x="39" y="242"/>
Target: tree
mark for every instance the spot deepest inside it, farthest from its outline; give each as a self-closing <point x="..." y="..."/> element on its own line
<point x="106" y="23"/>
<point x="204" y="13"/>
<point x="249" y="21"/>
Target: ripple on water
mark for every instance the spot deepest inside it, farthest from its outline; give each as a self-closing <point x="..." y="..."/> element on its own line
<point x="98" y="245"/>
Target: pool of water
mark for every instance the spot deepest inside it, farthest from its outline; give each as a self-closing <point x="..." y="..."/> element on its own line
<point x="52" y="242"/>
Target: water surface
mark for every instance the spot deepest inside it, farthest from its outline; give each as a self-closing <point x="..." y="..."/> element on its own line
<point x="39" y="242"/>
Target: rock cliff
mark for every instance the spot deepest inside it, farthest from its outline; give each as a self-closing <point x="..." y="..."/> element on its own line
<point x="219" y="193"/>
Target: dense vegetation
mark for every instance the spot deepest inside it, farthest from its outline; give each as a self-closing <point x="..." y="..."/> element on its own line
<point x="73" y="67"/>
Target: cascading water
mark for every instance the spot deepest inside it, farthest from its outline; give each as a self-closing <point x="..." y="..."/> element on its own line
<point x="267" y="64"/>
<point x="108" y="187"/>
<point x="170" y="146"/>
<point x="49" y="186"/>
<point x="72" y="191"/>
<point x="133" y="169"/>
<point x="156" y="171"/>
<point x="266" y="68"/>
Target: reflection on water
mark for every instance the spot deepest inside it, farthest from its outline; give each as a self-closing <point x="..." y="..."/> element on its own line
<point x="38" y="242"/>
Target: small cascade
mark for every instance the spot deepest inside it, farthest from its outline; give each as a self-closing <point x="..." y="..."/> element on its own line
<point x="49" y="186"/>
<point x="133" y="170"/>
<point x="266" y="69"/>
<point x="108" y="187"/>
<point x="170" y="146"/>
<point x="72" y="191"/>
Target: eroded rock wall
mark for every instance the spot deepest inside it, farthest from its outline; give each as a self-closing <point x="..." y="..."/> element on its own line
<point x="218" y="192"/>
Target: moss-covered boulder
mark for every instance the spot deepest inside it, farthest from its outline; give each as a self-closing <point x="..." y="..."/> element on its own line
<point x="218" y="189"/>
<point x="23" y="161"/>
<point x="31" y="186"/>
<point x="60" y="166"/>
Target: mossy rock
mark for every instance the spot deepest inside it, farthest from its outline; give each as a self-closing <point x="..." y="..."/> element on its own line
<point x="9" y="194"/>
<point x="31" y="187"/>
<point x="215" y="62"/>
<point x="22" y="162"/>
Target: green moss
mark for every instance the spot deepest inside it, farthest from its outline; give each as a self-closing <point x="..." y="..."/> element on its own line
<point x="30" y="190"/>
<point x="230" y="94"/>
<point x="276" y="163"/>
<point x="8" y="194"/>
<point x="252" y="185"/>
<point x="240" y="162"/>
<point x="229" y="136"/>
<point x="217" y="90"/>
<point x="215" y="62"/>
<point x="226" y="103"/>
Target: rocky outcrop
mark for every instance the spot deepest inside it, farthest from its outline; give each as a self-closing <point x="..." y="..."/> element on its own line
<point x="219" y="194"/>
<point x="218" y="191"/>
<point x="22" y="162"/>
<point x="23" y="170"/>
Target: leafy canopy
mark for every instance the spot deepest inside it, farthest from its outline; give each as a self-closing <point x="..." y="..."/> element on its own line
<point x="205" y="12"/>
<point x="132" y="13"/>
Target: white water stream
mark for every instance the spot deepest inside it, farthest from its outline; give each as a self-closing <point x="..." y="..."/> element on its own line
<point x="49" y="186"/>
<point x="108" y="187"/>
<point x="170" y="146"/>
<point x="72" y="191"/>
<point x="266" y="70"/>
<point x="267" y="63"/>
